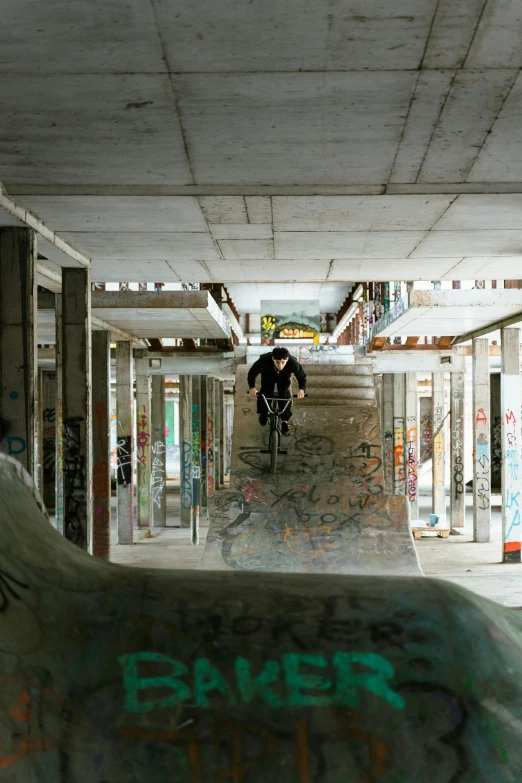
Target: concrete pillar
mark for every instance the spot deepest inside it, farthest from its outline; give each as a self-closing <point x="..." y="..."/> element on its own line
<point x="125" y="443"/>
<point x="77" y="414"/>
<point x="18" y="347"/>
<point x="218" y="423"/>
<point x="439" y="443"/>
<point x="387" y="418"/>
<point x="48" y="439"/>
<point x="221" y="397"/>
<point x="457" y="485"/>
<point x="58" y="509"/>
<point x="229" y="418"/>
<point x="399" y="433"/>
<point x="196" y="457"/>
<point x="412" y="444"/>
<point x="481" y="443"/>
<point x="511" y="474"/>
<point x="211" y="419"/>
<point x="426" y="429"/>
<point x="101" y="448"/>
<point x="143" y="444"/>
<point x="159" y="452"/>
<point x="185" y="450"/>
<point x="495" y="432"/>
<point x="203" y="435"/>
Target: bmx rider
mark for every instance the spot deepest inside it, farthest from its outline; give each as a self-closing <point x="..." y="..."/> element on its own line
<point x="276" y="369"/>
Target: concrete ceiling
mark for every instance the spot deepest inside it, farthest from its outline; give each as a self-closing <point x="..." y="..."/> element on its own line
<point x="303" y="141"/>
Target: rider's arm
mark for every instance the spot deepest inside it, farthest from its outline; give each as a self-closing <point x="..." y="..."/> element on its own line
<point x="253" y="373"/>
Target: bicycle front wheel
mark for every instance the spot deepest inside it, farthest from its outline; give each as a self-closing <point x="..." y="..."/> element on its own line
<point x="274" y="447"/>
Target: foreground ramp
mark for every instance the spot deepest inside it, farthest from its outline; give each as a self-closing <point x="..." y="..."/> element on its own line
<point x="325" y="509"/>
<point x="117" y="675"/>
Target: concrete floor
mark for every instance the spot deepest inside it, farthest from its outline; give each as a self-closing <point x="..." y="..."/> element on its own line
<point x="474" y="566"/>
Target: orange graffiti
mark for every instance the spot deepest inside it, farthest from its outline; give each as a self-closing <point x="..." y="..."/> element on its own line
<point x="306" y="534"/>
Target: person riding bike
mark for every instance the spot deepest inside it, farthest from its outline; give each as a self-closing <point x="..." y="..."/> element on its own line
<point x="276" y="369"/>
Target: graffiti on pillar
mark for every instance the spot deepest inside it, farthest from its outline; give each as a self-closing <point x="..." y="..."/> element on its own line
<point x="74" y="483"/>
<point x="482" y="472"/>
<point x="210" y="455"/>
<point x="496" y="445"/>
<point x="143" y="438"/>
<point x="398" y="454"/>
<point x="388" y="462"/>
<point x="186" y="479"/>
<point x="411" y="463"/>
<point x="512" y="501"/>
<point x="458" y="477"/>
<point x="101" y="511"/>
<point x="457" y="447"/>
<point x="124" y="461"/>
<point x="426" y="429"/>
<point x="143" y="456"/>
<point x="158" y="472"/>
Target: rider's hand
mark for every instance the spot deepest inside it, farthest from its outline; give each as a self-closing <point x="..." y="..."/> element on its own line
<point x="253" y="392"/>
<point x="300" y="394"/>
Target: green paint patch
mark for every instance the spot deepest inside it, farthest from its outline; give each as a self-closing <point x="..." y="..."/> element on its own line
<point x="297" y="681"/>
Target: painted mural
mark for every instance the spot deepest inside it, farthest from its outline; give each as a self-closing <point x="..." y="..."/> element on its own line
<point x="289" y="320"/>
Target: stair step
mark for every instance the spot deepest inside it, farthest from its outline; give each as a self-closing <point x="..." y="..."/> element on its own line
<point x="341" y="394"/>
<point x="327" y="402"/>
<point x="337" y="369"/>
<point x="341" y="381"/>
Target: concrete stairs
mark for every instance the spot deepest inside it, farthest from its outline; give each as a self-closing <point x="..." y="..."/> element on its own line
<point x="339" y="385"/>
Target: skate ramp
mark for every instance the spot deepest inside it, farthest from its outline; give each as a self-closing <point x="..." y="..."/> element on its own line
<point x="117" y="675"/>
<point x="325" y="509"/>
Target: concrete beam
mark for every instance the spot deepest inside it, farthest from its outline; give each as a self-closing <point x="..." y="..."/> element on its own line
<point x="417" y="361"/>
<point x="502" y="324"/>
<point x="31" y="221"/>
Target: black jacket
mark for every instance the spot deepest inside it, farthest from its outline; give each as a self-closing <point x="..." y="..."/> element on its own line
<point x="270" y="376"/>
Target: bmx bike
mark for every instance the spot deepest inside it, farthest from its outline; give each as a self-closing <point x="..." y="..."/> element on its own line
<point x="275" y="422"/>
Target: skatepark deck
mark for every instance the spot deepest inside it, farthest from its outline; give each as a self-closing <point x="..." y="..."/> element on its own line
<point x="112" y="674"/>
<point x="325" y="509"/>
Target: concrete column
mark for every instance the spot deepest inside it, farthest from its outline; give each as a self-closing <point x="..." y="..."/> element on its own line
<point x="196" y="457"/>
<point x="218" y="422"/>
<point x="143" y="444"/>
<point x="439" y="447"/>
<point x="510" y="417"/>
<point x="58" y="510"/>
<point x="48" y="439"/>
<point x="77" y="414"/>
<point x="203" y="435"/>
<point x="481" y="443"/>
<point x="387" y="418"/>
<point x="211" y="418"/>
<point x="221" y="429"/>
<point x="159" y="449"/>
<point x="412" y="444"/>
<point x="185" y="447"/>
<point x="399" y="433"/>
<point x="457" y="485"/>
<point x="495" y="432"/>
<point x="18" y="347"/>
<point x="229" y="418"/>
<point x="101" y="448"/>
<point x="125" y="444"/>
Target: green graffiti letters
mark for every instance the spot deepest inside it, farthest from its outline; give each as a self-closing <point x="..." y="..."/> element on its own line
<point x="295" y="683"/>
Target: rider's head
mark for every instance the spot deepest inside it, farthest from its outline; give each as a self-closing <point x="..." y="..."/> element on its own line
<point x="280" y="356"/>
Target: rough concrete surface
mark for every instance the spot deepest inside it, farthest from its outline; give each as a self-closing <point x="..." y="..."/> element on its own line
<point x="325" y="509"/>
<point x="112" y="675"/>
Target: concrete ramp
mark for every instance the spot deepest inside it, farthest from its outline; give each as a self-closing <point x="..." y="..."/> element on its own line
<point x="325" y="509"/>
<point x="118" y="675"/>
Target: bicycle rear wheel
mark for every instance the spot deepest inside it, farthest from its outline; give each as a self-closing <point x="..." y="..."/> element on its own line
<point x="273" y="448"/>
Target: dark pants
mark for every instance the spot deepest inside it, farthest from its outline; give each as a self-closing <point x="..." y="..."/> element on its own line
<point x="269" y="391"/>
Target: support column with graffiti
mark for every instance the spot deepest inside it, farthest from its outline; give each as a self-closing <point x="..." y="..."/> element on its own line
<point x="510" y="423"/>
<point x="399" y="433"/>
<point x="185" y="447"/>
<point x="412" y="444"/>
<point x="221" y="433"/>
<point x="143" y="444"/>
<point x="77" y="413"/>
<point x="18" y="350"/>
<point x="101" y="471"/>
<point x="439" y="448"/>
<point x="58" y="464"/>
<point x="218" y="418"/>
<point x="203" y="501"/>
<point x="159" y="455"/>
<point x="387" y="429"/>
<point x="124" y="442"/>
<point x="211" y="429"/>
<point x="481" y="443"/>
<point x="196" y="457"/>
<point x="457" y="485"/>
